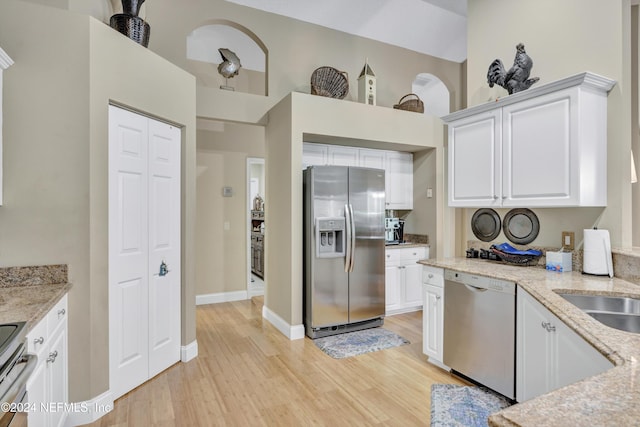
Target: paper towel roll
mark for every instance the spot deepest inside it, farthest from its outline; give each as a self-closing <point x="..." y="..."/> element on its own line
<point x="597" y="253"/>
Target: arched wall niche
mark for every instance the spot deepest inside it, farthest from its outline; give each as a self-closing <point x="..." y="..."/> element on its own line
<point x="434" y="93"/>
<point x="203" y="56"/>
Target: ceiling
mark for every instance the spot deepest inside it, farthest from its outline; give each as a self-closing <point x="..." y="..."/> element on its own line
<point x="433" y="27"/>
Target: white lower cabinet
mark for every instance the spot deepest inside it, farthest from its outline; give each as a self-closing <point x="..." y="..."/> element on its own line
<point x="47" y="387"/>
<point x="433" y="314"/>
<point x="549" y="354"/>
<point x="403" y="279"/>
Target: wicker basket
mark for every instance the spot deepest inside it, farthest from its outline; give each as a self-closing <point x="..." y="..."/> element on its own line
<point x="329" y="82"/>
<point x="410" y="104"/>
<point x="133" y="27"/>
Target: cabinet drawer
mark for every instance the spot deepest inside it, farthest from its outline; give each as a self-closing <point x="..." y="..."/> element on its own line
<point x="433" y="276"/>
<point x="57" y="315"/>
<point x="406" y="254"/>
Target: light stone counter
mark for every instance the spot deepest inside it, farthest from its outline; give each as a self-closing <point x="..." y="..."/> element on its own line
<point x="28" y="293"/>
<point x="407" y="245"/>
<point x="609" y="399"/>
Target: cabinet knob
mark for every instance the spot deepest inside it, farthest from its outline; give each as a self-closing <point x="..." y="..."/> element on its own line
<point x="438" y="297"/>
<point x="38" y="340"/>
<point x="430" y="276"/>
<point x="62" y="312"/>
<point x="52" y="356"/>
<point x="548" y="326"/>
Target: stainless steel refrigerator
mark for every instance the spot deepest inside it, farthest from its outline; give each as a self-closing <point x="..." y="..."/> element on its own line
<point x="344" y="237"/>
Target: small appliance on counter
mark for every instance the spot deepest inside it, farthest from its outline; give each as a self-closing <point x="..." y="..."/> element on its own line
<point x="394" y="231"/>
<point x="597" y="259"/>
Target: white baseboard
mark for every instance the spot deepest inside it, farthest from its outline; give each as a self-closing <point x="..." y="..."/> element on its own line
<point x="439" y="364"/>
<point x="189" y="351"/>
<point x="221" y="297"/>
<point x="86" y="412"/>
<point x="294" y="332"/>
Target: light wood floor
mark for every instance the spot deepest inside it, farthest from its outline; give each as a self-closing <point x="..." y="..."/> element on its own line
<point x="248" y="374"/>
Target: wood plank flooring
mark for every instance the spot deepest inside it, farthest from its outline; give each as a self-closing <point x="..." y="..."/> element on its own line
<point x="248" y="374"/>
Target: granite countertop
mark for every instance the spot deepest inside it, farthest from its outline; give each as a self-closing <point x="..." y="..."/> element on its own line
<point x="406" y="245"/>
<point x="608" y="399"/>
<point x="28" y="293"/>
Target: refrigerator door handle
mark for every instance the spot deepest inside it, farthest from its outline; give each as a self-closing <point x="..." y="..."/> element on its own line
<point x="352" y="236"/>
<point x="347" y="257"/>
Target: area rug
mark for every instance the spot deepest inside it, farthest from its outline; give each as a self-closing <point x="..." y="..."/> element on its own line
<point x="359" y="342"/>
<point x="463" y="406"/>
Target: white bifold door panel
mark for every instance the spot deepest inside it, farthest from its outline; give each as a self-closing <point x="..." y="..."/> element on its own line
<point x="144" y="248"/>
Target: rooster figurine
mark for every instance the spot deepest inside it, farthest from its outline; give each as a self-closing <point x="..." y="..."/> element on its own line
<point x="517" y="78"/>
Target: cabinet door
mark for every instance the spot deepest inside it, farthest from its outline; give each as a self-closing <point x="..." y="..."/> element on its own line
<point x="343" y="156"/>
<point x="372" y="158"/>
<point x="314" y="154"/>
<point x="576" y="358"/>
<point x="393" y="291"/>
<point x="540" y="162"/>
<point x="399" y="180"/>
<point x="533" y="349"/>
<point x="413" y="284"/>
<point x="37" y="394"/>
<point x="57" y="375"/>
<point x="475" y="160"/>
<point x="432" y="318"/>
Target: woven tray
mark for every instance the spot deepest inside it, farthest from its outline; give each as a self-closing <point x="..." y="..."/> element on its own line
<point x="329" y="82"/>
<point x="415" y="104"/>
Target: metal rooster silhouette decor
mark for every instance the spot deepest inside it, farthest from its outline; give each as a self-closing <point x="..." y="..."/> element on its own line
<point x="229" y="67"/>
<point x="517" y="78"/>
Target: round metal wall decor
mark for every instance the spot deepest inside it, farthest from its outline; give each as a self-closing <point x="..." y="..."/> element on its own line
<point x="485" y="224"/>
<point x="521" y="226"/>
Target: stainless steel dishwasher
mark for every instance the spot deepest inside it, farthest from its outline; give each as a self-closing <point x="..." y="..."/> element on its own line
<point x="479" y="329"/>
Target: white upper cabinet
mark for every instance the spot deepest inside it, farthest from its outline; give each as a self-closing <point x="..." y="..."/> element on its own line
<point x="314" y="155"/>
<point x="398" y="167"/>
<point x="544" y="147"/>
<point x="399" y="181"/>
<point x="5" y="62"/>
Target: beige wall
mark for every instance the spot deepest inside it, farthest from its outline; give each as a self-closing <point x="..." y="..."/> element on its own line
<point x="68" y="67"/>
<point x="222" y="161"/>
<point x="563" y="38"/>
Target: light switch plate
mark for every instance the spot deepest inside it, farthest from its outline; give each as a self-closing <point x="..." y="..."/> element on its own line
<point x="568" y="240"/>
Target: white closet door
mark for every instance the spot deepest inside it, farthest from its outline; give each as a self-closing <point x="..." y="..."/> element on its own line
<point x="144" y="232"/>
<point x="128" y="251"/>
<point x="164" y="246"/>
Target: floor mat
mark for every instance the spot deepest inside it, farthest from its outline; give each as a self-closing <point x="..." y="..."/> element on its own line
<point x="464" y="406"/>
<point x="359" y="342"/>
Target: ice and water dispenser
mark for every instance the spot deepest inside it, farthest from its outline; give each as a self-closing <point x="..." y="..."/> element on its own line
<point x="330" y="237"/>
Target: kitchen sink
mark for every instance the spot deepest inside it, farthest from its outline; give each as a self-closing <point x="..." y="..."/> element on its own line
<point x="616" y="312"/>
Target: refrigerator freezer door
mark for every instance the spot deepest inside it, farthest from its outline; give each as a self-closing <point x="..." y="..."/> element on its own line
<point x="366" y="280"/>
<point x="326" y="283"/>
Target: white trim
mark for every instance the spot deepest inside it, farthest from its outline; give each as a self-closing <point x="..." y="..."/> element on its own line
<point x="438" y="363"/>
<point x="189" y="351"/>
<point x="586" y="79"/>
<point x="294" y="332"/>
<point x="5" y="60"/>
<point x="221" y="297"/>
<point x="90" y="410"/>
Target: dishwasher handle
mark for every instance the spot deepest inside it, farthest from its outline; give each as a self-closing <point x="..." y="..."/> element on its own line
<point x="475" y="288"/>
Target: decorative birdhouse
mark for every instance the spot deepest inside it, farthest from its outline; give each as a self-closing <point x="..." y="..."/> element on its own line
<point x="367" y="85"/>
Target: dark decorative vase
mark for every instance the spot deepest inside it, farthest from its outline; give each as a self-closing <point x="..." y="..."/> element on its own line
<point x="131" y="7"/>
<point x="133" y="27"/>
<point x="130" y="24"/>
